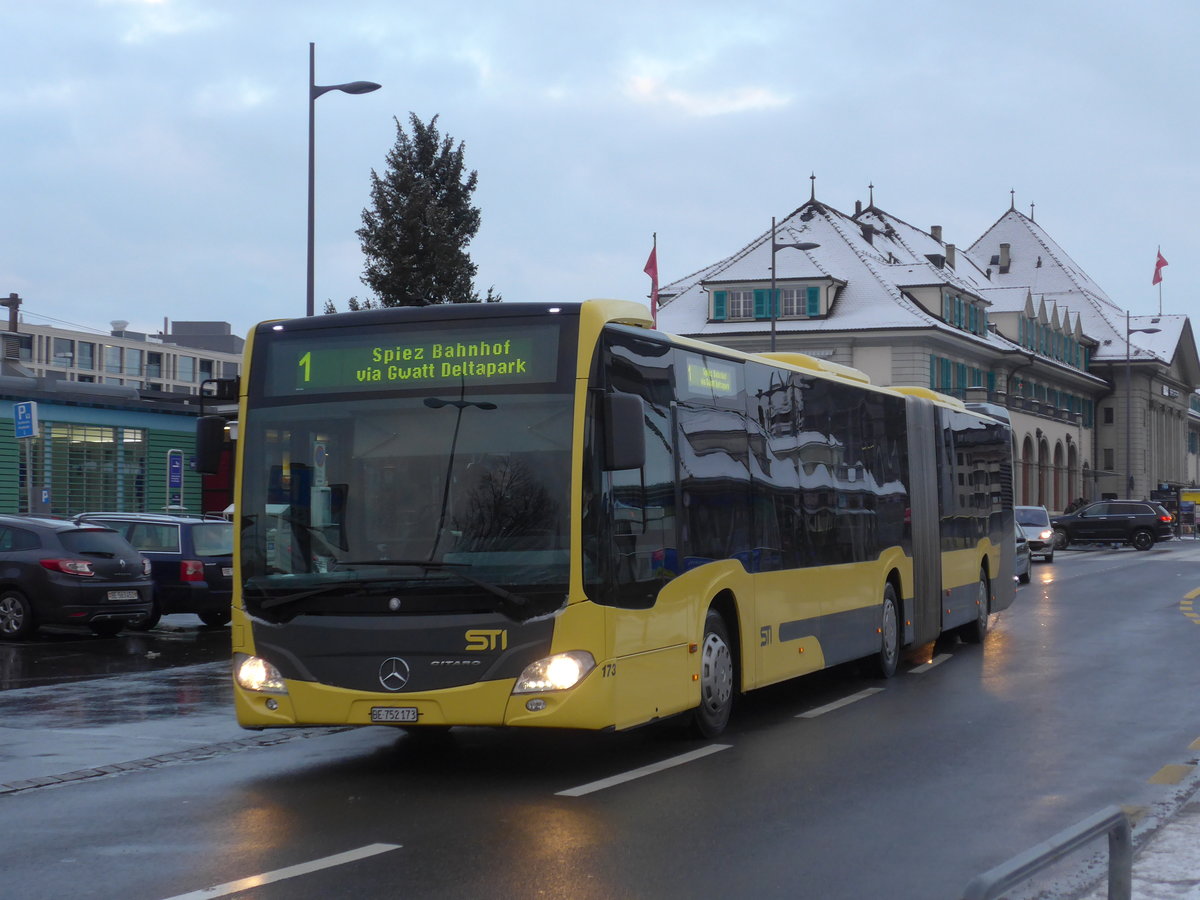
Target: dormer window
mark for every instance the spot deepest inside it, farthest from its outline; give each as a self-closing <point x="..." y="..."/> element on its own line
<point x="753" y="304"/>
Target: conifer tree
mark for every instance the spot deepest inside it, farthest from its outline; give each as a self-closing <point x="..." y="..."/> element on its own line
<point x="416" y="230"/>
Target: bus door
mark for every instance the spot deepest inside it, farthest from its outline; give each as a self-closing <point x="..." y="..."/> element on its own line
<point x="924" y="520"/>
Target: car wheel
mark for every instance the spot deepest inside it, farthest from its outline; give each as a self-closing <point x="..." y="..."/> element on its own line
<point x="1049" y="557"/>
<point x="1024" y="577"/>
<point x="1142" y="539"/>
<point x="887" y="658"/>
<point x="17" y="620"/>
<point x="975" y="632"/>
<point x="214" y="619"/>
<point x="149" y="622"/>
<point x="716" y="678"/>
<point x="1061" y="539"/>
<point x="108" y="627"/>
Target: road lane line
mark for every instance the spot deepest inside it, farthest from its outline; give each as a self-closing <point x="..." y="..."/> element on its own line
<point x="651" y="769"/>
<point x="936" y="661"/>
<point x="838" y="704"/>
<point x="245" y="884"/>
<point x="1171" y="774"/>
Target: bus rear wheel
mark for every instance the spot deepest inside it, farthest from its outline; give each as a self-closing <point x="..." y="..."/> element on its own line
<point x="716" y="678"/>
<point x="976" y="631"/>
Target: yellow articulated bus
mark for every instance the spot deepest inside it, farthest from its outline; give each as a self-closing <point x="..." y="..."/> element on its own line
<point x="529" y="514"/>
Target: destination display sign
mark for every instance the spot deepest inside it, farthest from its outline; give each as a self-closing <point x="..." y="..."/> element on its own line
<point x="710" y="378"/>
<point x="507" y="352"/>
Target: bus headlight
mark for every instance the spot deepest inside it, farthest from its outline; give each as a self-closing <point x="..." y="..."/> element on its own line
<point x="555" y="673"/>
<point x="256" y="674"/>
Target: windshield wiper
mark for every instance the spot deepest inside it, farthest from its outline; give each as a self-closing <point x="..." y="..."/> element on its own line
<point x="287" y="599"/>
<point x="518" y="603"/>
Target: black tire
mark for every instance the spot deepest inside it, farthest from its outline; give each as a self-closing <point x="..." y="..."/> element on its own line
<point x="886" y="660"/>
<point x="1024" y="577"/>
<point x="1141" y="539"/>
<point x="108" y="627"/>
<point x="975" y="632"/>
<point x="716" y="678"/>
<point x="1061" y="539"/>
<point x="214" y="619"/>
<point x="17" y="620"/>
<point x="1049" y="557"/>
<point x="149" y="622"/>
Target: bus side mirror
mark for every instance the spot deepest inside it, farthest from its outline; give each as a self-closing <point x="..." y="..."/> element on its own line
<point x="210" y="443"/>
<point x="625" y="432"/>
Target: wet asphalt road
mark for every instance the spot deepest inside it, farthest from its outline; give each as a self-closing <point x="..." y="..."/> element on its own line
<point x="134" y="781"/>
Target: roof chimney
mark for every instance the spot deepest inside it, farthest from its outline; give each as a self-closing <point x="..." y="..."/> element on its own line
<point x="950" y="255"/>
<point x="935" y="232"/>
<point x="1005" y="258"/>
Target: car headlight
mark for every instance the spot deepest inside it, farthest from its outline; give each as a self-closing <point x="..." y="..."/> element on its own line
<point x="1046" y="535"/>
<point x="253" y="673"/>
<point x="555" y="673"/>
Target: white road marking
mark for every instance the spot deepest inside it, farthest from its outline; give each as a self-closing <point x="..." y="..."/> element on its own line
<point x="936" y="661"/>
<point x="651" y="769"/>
<point x="838" y="704"/>
<point x="245" y="884"/>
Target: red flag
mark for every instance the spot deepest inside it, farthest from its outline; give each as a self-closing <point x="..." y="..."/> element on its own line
<point x="1158" y="267"/>
<point x="652" y="270"/>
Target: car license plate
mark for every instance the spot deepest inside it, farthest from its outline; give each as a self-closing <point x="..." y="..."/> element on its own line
<point x="393" y="714"/>
<point x="227" y="571"/>
<point x="122" y="595"/>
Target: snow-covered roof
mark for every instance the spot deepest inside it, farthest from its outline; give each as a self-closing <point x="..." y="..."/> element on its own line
<point x="1040" y="267"/>
<point x="873" y="258"/>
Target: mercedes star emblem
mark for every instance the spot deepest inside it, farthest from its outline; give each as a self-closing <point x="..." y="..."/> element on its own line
<point x="393" y="673"/>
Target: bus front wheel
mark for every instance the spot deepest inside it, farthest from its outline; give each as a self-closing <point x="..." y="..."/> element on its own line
<point x="716" y="678"/>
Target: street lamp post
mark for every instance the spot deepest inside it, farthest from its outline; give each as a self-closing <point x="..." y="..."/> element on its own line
<point x="772" y="300"/>
<point x="315" y="91"/>
<point x="1129" y="405"/>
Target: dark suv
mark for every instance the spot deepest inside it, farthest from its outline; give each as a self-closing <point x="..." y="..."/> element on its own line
<point x="1136" y="522"/>
<point x="55" y="572"/>
<point x="191" y="558"/>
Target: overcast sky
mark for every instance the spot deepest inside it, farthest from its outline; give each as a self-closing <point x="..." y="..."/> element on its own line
<point x="153" y="153"/>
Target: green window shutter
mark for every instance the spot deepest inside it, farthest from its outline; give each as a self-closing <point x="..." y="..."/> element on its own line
<point x="933" y="361"/>
<point x="991" y="382"/>
<point x="718" y="305"/>
<point x="972" y="322"/>
<point x="946" y="374"/>
<point x="814" y="301"/>
<point x="762" y="309"/>
<point x="961" y="375"/>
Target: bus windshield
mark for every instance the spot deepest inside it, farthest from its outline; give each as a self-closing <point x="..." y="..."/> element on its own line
<point x="439" y="498"/>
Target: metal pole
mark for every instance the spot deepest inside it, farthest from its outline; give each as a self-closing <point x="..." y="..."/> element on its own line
<point x="771" y="299"/>
<point x="1128" y="418"/>
<point x="312" y="102"/>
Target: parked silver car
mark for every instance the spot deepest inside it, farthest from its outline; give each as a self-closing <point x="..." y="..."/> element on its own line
<point x="1022" y="560"/>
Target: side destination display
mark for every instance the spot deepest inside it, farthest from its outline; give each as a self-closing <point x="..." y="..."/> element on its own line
<point x="421" y="358"/>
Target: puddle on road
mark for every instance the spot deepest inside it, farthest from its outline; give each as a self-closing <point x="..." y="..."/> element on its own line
<point x="69" y="679"/>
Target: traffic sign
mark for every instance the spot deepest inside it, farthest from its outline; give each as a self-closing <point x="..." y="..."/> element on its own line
<point x="25" y="419"/>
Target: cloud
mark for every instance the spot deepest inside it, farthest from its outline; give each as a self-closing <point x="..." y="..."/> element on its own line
<point x="150" y="19"/>
<point x="648" y="89"/>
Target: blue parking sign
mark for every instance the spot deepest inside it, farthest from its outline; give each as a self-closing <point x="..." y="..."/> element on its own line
<point x="25" y="420"/>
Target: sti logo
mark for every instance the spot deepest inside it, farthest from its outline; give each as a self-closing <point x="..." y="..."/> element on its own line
<point x="482" y="639"/>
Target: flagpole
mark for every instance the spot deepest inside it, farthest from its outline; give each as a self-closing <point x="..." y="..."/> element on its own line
<point x="1160" y="285"/>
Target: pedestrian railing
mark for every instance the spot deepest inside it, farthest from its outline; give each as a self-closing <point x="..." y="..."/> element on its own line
<point x="1111" y="821"/>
